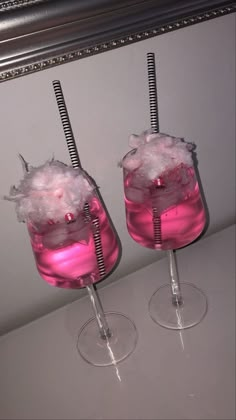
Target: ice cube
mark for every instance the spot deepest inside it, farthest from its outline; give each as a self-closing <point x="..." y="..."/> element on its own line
<point x="179" y="183"/>
<point x="134" y="194"/>
<point x="56" y="236"/>
<point x="62" y="234"/>
<point x="79" y="230"/>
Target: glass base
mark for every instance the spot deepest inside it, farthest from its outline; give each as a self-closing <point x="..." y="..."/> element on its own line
<point x="174" y="316"/>
<point x="107" y="351"/>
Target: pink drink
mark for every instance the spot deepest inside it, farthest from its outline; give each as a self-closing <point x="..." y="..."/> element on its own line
<point x="166" y="213"/>
<point x="65" y="253"/>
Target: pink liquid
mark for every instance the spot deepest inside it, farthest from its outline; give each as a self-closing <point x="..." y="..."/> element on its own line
<point x="166" y="213"/>
<point x="65" y="253"/>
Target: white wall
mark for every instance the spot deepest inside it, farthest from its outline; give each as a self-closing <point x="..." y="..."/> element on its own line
<point x="107" y="99"/>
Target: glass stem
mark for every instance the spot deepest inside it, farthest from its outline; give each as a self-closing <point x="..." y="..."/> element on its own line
<point x="177" y="299"/>
<point x="99" y="313"/>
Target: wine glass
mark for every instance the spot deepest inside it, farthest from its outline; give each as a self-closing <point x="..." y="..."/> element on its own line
<point x="74" y="249"/>
<point x="77" y="253"/>
<point x="165" y="211"/>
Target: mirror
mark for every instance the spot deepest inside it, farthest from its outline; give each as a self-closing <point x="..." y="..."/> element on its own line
<point x="40" y="34"/>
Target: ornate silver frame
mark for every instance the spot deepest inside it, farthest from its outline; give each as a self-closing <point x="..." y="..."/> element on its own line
<point x="40" y="34"/>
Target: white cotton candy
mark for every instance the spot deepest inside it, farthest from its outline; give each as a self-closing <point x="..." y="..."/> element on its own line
<point x="156" y="153"/>
<point x="48" y="192"/>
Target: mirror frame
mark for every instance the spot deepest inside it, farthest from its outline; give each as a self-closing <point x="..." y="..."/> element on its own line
<point x="39" y="34"/>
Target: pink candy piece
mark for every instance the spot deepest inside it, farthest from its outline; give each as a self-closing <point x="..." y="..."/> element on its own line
<point x="69" y="217"/>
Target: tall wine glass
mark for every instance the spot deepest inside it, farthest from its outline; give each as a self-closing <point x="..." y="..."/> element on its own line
<point x="165" y="212"/>
<point x="77" y="253"/>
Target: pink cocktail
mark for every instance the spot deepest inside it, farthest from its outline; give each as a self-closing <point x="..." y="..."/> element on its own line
<point x="66" y="254"/>
<point x="166" y="212"/>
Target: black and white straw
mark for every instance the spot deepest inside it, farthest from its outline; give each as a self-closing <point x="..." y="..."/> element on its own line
<point x="153" y="104"/>
<point x="74" y="156"/>
<point x="98" y="247"/>
<point x="152" y="85"/>
<point x="156" y="226"/>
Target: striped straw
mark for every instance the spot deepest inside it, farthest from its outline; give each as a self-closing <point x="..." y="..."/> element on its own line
<point x="75" y="160"/>
<point x="154" y="117"/>
<point x="152" y="92"/>
<point x="73" y="152"/>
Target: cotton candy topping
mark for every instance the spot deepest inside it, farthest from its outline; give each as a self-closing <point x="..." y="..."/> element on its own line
<point x="49" y="192"/>
<point x="155" y="153"/>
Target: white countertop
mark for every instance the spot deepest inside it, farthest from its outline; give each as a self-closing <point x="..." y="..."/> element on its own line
<point x="170" y="375"/>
